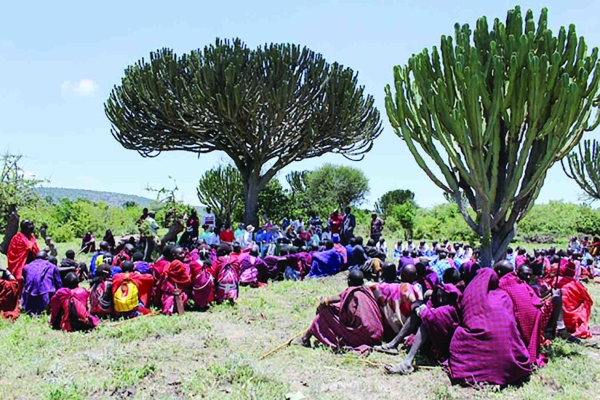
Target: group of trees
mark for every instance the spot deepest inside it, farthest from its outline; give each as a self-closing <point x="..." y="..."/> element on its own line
<point x="322" y="190"/>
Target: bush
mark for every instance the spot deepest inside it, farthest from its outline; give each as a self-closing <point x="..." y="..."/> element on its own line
<point x="63" y="234"/>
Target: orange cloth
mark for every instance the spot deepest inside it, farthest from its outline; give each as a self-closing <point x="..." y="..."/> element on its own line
<point x="577" y="306"/>
<point x="10" y="291"/>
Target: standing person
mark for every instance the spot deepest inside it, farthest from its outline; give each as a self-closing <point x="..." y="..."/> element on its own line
<point x="297" y="224"/>
<point x="376" y="227"/>
<point x="193" y="225"/>
<point x="22" y="249"/>
<point x="315" y="221"/>
<point x="149" y="236"/>
<point x="336" y="221"/>
<point x="349" y="223"/>
<point x="142" y="217"/>
<point x="209" y="218"/>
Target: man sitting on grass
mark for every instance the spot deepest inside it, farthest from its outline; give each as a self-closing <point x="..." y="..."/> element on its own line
<point x="131" y="291"/>
<point x="69" y="307"/>
<point x="351" y="320"/>
<point x="41" y="280"/>
<point x="9" y="295"/>
<point x="68" y="264"/>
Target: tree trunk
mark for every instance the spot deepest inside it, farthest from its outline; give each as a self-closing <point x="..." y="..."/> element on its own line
<point x="12" y="227"/>
<point x="251" y="192"/>
<point x="495" y="248"/>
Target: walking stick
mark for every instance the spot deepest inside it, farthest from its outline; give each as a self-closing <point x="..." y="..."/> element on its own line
<point x="281" y="346"/>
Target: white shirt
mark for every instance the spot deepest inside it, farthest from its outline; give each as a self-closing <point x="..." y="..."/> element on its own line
<point x="246" y="240"/>
<point x="297" y="225"/>
<point x="213" y="240"/>
<point x="153" y="225"/>
<point x="326" y="236"/>
<point x="209" y="219"/>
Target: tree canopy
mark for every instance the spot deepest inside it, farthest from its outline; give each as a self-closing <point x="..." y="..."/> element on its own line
<point x="494" y="111"/>
<point x="221" y="188"/>
<point x="265" y="108"/>
<point x="336" y="186"/>
<point x="394" y="197"/>
<point x="583" y="166"/>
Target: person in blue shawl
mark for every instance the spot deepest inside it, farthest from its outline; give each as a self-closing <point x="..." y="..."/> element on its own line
<point x="326" y="263"/>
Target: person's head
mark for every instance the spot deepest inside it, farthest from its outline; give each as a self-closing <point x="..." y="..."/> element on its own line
<point x="223" y="249"/>
<point x="589" y="261"/>
<point x="381" y="241"/>
<point x="422" y="243"/>
<point x="166" y="252"/>
<point x="42" y="255"/>
<point x="70" y="281"/>
<point x="347" y="210"/>
<point x="524" y="272"/>
<point x="194" y="213"/>
<point x="409" y="273"/>
<point x="108" y="233"/>
<point x="373" y="216"/>
<point x="293" y="250"/>
<point x="405" y="253"/>
<point x="352" y="242"/>
<point x="104" y="246"/>
<point x="442" y="254"/>
<point x="522" y="252"/>
<point x="227" y="227"/>
<point x="127" y="266"/>
<point x="451" y="275"/>
<point x="209" y="209"/>
<point x="237" y="248"/>
<point x="152" y="214"/>
<point x="573" y="239"/>
<point x="27" y="227"/>
<point x="388" y="272"/>
<point x="103" y="270"/>
<point x="356" y="278"/>
<point x="335" y="212"/>
<point x="421" y="269"/>
<point x="284" y="251"/>
<point x="586" y="238"/>
<point x="413" y="254"/>
<point x="303" y="249"/>
<point x="129" y="249"/>
<point x="254" y="251"/>
<point x="145" y="211"/>
<point x="503" y="267"/>
<point x="359" y="240"/>
<point x="409" y="241"/>
<point x="137" y="256"/>
<point x="335" y="238"/>
<point x="328" y="245"/>
<point x="445" y="242"/>
<point x="53" y="260"/>
<point x="469" y="271"/>
<point x="371" y="243"/>
<point x="177" y="253"/>
<point x="70" y="254"/>
<point x="326" y="229"/>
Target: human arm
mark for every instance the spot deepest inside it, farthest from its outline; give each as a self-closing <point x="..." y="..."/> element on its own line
<point x="327" y="301"/>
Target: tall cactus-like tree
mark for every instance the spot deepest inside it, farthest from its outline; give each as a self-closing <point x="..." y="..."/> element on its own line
<point x="583" y="166"/>
<point x="494" y="110"/>
<point x="265" y="108"/>
<point x="221" y="188"/>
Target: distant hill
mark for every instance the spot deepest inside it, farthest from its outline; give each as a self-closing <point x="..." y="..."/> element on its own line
<point x="113" y="199"/>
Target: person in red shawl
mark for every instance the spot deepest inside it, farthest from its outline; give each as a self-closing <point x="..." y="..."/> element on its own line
<point x="336" y="221"/>
<point x="528" y="310"/>
<point x="487" y="346"/>
<point x="351" y="320"/>
<point x="22" y="249"/>
<point x="139" y="285"/>
<point x="175" y="282"/>
<point x="577" y="302"/>
<point x="69" y="309"/>
<point x="9" y="295"/>
<point x="124" y="255"/>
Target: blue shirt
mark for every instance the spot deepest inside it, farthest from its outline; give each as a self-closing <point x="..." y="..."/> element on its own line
<point x="439" y="266"/>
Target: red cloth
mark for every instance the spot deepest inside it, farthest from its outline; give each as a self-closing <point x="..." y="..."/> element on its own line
<point x="528" y="312"/>
<point x="59" y="308"/>
<point x="19" y="248"/>
<point x="227" y="236"/>
<point x="355" y="322"/>
<point x="487" y="347"/>
<point x="10" y="291"/>
<point x="336" y="223"/>
<point x="122" y="256"/>
<point x="143" y="282"/>
<point x="577" y="306"/>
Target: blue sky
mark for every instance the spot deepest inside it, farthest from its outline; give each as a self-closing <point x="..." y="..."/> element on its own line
<point x="59" y="61"/>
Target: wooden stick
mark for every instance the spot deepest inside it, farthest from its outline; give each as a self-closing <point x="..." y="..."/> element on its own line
<point x="281" y="346"/>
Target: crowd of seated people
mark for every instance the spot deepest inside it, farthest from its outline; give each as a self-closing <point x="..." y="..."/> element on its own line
<point x="487" y="324"/>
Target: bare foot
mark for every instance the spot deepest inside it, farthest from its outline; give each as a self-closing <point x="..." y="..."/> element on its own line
<point x="400" y="368"/>
<point x="386" y="349"/>
<point x="301" y="341"/>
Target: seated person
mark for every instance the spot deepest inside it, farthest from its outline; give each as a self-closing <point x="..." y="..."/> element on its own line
<point x="41" y="280"/>
<point x="175" y="284"/>
<point x="69" y="307"/>
<point x="68" y="264"/>
<point x="130" y="292"/>
<point x="227" y="275"/>
<point x="326" y="263"/>
<point x="253" y="271"/>
<point x="101" y="298"/>
<point x="99" y="258"/>
<point x="351" y="320"/>
<point x="9" y="295"/>
<point x="139" y="265"/>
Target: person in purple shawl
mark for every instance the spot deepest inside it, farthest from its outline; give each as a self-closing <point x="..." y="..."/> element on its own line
<point x="42" y="280"/>
<point x="326" y="263"/>
<point x="487" y="346"/>
<point x="253" y="271"/>
<point x="351" y="320"/>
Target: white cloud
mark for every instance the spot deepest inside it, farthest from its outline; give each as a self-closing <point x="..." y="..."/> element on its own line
<point x="82" y="87"/>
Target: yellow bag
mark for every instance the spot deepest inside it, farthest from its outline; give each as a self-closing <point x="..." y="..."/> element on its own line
<point x="126" y="297"/>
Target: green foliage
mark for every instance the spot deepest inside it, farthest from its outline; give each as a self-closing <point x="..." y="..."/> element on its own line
<point x="336" y="186"/>
<point x="16" y="189"/>
<point x="494" y="108"/>
<point x="275" y="202"/>
<point x="443" y="221"/>
<point x="68" y="219"/>
<point x="583" y="166"/>
<point x="386" y="203"/>
<point x="222" y="189"/>
<point x="406" y="215"/>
